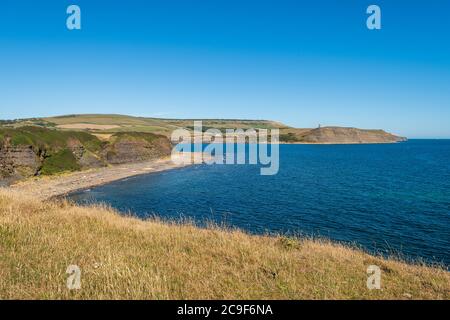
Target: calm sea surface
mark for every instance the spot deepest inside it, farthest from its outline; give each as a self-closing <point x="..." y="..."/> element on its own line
<point x="389" y="198"/>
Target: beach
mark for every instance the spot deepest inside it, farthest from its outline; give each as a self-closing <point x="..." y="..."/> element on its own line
<point x="48" y="187"/>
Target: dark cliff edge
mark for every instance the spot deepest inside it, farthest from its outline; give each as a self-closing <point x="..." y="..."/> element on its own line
<point x="31" y="151"/>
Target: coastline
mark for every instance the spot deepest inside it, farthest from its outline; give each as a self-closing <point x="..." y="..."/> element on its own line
<point x="48" y="187"/>
<point x="127" y="250"/>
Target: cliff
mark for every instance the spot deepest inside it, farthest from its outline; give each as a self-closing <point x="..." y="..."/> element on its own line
<point x="30" y="151"/>
<point x="340" y="135"/>
<point x="136" y="146"/>
<point x="17" y="161"/>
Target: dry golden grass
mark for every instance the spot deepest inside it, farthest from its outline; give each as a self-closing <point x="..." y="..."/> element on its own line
<point x="103" y="136"/>
<point x="126" y="258"/>
<point x="90" y="126"/>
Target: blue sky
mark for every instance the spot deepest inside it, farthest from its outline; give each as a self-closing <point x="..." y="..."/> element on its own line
<point x="299" y="62"/>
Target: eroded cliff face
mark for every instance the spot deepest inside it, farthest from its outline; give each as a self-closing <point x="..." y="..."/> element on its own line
<point x="17" y="162"/>
<point x="29" y="152"/>
<point x="84" y="157"/>
<point x="131" y="149"/>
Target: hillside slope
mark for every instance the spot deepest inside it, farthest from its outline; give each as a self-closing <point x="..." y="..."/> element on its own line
<point x="341" y="135"/>
<point x="127" y="258"/>
<point x="103" y="125"/>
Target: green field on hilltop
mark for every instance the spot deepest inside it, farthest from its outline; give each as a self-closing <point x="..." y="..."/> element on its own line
<point x="107" y="124"/>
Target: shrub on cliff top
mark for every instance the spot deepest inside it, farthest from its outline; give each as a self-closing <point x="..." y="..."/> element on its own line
<point x="63" y="160"/>
<point x="43" y="138"/>
<point x="149" y="137"/>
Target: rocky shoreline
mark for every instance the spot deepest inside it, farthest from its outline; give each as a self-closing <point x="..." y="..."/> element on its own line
<point x="45" y="188"/>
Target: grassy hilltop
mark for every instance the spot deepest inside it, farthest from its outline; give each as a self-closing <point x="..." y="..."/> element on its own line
<point x="127" y="258"/>
<point x="105" y="125"/>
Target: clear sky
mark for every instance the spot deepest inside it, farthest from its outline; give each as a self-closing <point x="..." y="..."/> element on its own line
<point x="299" y="62"/>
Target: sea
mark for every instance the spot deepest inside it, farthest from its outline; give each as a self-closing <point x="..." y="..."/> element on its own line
<point x="387" y="199"/>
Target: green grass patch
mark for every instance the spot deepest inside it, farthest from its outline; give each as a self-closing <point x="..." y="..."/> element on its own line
<point x="289" y="137"/>
<point x="61" y="161"/>
<point x="149" y="137"/>
<point x="53" y="140"/>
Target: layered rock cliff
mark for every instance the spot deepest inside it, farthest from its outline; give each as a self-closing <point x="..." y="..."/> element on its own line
<point x="136" y="146"/>
<point x="31" y="151"/>
<point x="17" y="162"/>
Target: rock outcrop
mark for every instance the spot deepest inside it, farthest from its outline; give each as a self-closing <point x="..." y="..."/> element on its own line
<point x="85" y="158"/>
<point x="17" y="162"/>
<point x="30" y="151"/>
<point x="133" y="147"/>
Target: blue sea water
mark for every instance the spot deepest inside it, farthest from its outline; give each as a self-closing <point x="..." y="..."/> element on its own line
<point x="386" y="198"/>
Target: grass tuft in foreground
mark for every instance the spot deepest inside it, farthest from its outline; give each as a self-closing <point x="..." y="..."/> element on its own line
<point x="122" y="257"/>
